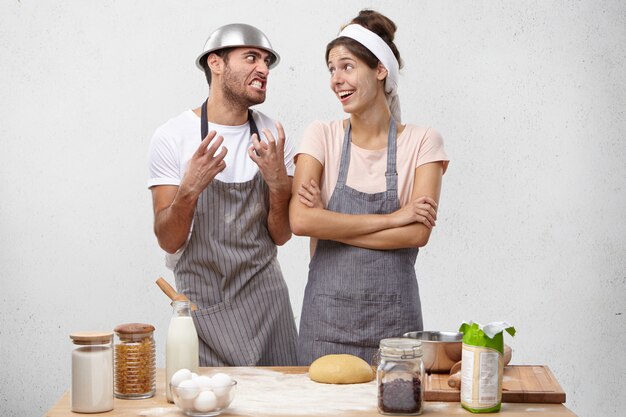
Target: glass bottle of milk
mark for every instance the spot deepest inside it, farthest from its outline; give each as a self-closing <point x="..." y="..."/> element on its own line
<point x="181" y="350"/>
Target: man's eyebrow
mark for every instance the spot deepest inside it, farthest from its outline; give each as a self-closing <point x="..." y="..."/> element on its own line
<point x="255" y="53"/>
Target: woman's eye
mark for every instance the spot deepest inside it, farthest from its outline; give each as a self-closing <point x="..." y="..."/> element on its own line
<point x="331" y="70"/>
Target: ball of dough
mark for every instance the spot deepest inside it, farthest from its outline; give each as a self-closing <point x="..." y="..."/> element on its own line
<point x="340" y="369"/>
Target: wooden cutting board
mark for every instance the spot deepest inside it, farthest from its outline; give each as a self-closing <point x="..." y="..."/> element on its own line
<point x="520" y="384"/>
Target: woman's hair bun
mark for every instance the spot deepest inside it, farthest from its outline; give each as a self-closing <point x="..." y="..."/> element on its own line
<point x="377" y="23"/>
<point x="380" y="25"/>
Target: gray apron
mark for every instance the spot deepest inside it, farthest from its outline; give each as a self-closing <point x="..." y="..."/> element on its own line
<point x="230" y="270"/>
<point x="355" y="296"/>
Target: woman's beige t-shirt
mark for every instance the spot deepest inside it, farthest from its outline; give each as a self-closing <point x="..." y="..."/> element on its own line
<point x="416" y="146"/>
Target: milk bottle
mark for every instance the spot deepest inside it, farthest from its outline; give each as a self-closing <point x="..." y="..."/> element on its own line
<point x="181" y="350"/>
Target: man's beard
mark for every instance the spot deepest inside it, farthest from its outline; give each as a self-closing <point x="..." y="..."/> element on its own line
<point x="236" y="93"/>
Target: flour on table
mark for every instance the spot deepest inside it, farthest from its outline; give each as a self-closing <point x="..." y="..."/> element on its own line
<point x="264" y="392"/>
<point x="160" y="412"/>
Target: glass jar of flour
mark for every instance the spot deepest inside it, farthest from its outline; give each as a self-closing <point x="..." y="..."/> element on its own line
<point x="400" y="377"/>
<point x="92" y="372"/>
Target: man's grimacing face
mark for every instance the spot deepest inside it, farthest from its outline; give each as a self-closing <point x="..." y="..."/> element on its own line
<point x="244" y="79"/>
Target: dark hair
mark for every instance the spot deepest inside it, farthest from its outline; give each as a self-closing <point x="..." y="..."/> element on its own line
<point x="222" y="53"/>
<point x="377" y="23"/>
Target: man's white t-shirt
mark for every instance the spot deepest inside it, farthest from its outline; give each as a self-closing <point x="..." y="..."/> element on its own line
<point x="174" y="143"/>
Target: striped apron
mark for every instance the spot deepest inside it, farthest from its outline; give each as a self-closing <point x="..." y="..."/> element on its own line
<point x="354" y="296"/>
<point x="230" y="270"/>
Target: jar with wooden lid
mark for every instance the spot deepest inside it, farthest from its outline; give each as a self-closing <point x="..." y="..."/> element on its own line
<point x="135" y="360"/>
<point x="92" y="372"/>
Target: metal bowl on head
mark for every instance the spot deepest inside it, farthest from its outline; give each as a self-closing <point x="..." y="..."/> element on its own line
<point x="440" y="350"/>
<point x="237" y="35"/>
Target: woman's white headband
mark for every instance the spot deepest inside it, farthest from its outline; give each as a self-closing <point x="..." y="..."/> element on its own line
<point x="385" y="55"/>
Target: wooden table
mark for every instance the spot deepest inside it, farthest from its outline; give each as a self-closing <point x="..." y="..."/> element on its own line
<point x="287" y="392"/>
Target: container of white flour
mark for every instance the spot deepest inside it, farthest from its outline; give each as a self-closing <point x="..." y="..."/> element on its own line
<point x="92" y="372"/>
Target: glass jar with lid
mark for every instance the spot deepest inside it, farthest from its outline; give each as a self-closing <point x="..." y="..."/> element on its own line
<point x="400" y="377"/>
<point x="135" y="361"/>
<point x="92" y="372"/>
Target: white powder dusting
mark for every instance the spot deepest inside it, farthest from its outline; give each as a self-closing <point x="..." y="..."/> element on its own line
<point x="264" y="392"/>
<point x="160" y="412"/>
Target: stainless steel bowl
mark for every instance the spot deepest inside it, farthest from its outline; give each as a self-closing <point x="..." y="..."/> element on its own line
<point x="440" y="350"/>
<point x="237" y="35"/>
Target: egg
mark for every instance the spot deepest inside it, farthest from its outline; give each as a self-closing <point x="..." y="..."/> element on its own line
<point x="221" y="380"/>
<point x="179" y="376"/>
<point x="224" y="397"/>
<point x="188" y="389"/>
<point x="204" y="382"/>
<point x="205" y="401"/>
<point x="184" y="404"/>
<point x="194" y="375"/>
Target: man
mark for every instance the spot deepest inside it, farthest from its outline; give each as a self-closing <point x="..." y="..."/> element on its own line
<point x="220" y="194"/>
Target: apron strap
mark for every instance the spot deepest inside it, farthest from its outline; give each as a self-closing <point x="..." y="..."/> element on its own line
<point x="204" y="123"/>
<point x="344" y="163"/>
<point x="391" y="174"/>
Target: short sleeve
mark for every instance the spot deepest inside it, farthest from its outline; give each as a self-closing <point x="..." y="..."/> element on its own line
<point x="290" y="151"/>
<point x="163" y="162"/>
<point x="432" y="150"/>
<point x="312" y="142"/>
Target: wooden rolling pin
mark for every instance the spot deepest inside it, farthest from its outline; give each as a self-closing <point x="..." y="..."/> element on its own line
<point x="454" y="380"/>
<point x="171" y="292"/>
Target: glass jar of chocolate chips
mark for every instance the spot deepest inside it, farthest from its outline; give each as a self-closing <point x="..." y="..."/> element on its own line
<point x="400" y="377"/>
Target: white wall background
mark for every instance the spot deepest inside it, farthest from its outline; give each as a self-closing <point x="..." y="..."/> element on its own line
<point x="529" y="95"/>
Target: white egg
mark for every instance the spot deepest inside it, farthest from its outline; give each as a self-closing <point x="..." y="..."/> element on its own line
<point x="205" y="401"/>
<point x="204" y="382"/>
<point x="179" y="376"/>
<point x="224" y="396"/>
<point x="185" y="404"/>
<point x="188" y="389"/>
<point x="221" y="380"/>
<point x="194" y="375"/>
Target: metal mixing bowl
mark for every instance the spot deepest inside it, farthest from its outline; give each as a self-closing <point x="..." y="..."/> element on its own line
<point x="440" y="350"/>
<point x="237" y="35"/>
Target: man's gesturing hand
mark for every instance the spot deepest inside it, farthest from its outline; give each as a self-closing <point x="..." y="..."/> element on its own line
<point x="204" y="165"/>
<point x="270" y="157"/>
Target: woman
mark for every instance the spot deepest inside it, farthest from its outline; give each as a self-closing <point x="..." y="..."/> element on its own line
<point x="376" y="203"/>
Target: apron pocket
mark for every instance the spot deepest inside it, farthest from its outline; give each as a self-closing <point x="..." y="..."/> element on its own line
<point x="357" y="319"/>
<point x="220" y="328"/>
